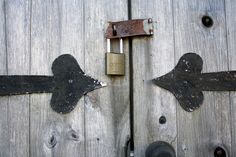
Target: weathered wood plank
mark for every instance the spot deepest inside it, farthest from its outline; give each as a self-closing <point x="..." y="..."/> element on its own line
<point x="153" y="57"/>
<point x="231" y="39"/>
<point x="107" y="109"/>
<point x="17" y="37"/>
<point x="57" y="28"/>
<point x="4" y="134"/>
<point x="201" y="131"/>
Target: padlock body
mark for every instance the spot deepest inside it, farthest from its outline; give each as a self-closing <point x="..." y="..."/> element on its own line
<point x="115" y="63"/>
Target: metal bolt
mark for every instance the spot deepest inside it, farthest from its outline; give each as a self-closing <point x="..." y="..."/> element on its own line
<point x="150" y="20"/>
<point x="114" y="32"/>
<point x="151" y="31"/>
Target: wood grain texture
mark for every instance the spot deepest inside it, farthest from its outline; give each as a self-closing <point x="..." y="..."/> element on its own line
<point x="201" y="131"/>
<point x="17" y="40"/>
<point x="153" y="57"/>
<point x="107" y="109"/>
<point x="4" y="134"/>
<point x="231" y="39"/>
<point x="57" y="28"/>
<point x="34" y="32"/>
<point x="77" y="27"/>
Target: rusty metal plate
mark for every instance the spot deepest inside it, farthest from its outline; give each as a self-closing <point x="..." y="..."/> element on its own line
<point x="129" y="28"/>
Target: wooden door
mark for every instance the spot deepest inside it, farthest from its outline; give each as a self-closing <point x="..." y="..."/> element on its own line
<point x="179" y="30"/>
<point x="35" y="32"/>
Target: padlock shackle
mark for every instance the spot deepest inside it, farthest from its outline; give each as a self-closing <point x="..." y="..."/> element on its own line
<point x="121" y="45"/>
<point x="108" y="45"/>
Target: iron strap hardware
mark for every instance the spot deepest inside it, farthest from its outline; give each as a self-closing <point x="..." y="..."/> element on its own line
<point x="67" y="86"/>
<point x="187" y="82"/>
<point x="129" y="28"/>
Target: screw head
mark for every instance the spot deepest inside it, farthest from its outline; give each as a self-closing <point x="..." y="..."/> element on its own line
<point x="151" y="31"/>
<point x="150" y="20"/>
<point x="114" y="31"/>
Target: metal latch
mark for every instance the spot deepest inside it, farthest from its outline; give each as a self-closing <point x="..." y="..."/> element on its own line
<point x="115" y="62"/>
<point x="129" y="28"/>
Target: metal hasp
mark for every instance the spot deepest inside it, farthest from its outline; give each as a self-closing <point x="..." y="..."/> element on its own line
<point x="187" y="82"/>
<point x="129" y="28"/>
<point x="160" y="149"/>
<point x="67" y="86"/>
<point x="115" y="61"/>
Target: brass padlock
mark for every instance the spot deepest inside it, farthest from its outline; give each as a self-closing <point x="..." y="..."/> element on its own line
<point x="115" y="62"/>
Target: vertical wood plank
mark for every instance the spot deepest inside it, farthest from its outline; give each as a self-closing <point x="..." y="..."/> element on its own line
<point x="201" y="131"/>
<point x="231" y="39"/>
<point x="153" y="57"/>
<point x="4" y="145"/>
<point x="17" y="27"/>
<point x="57" y="28"/>
<point x="107" y="109"/>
